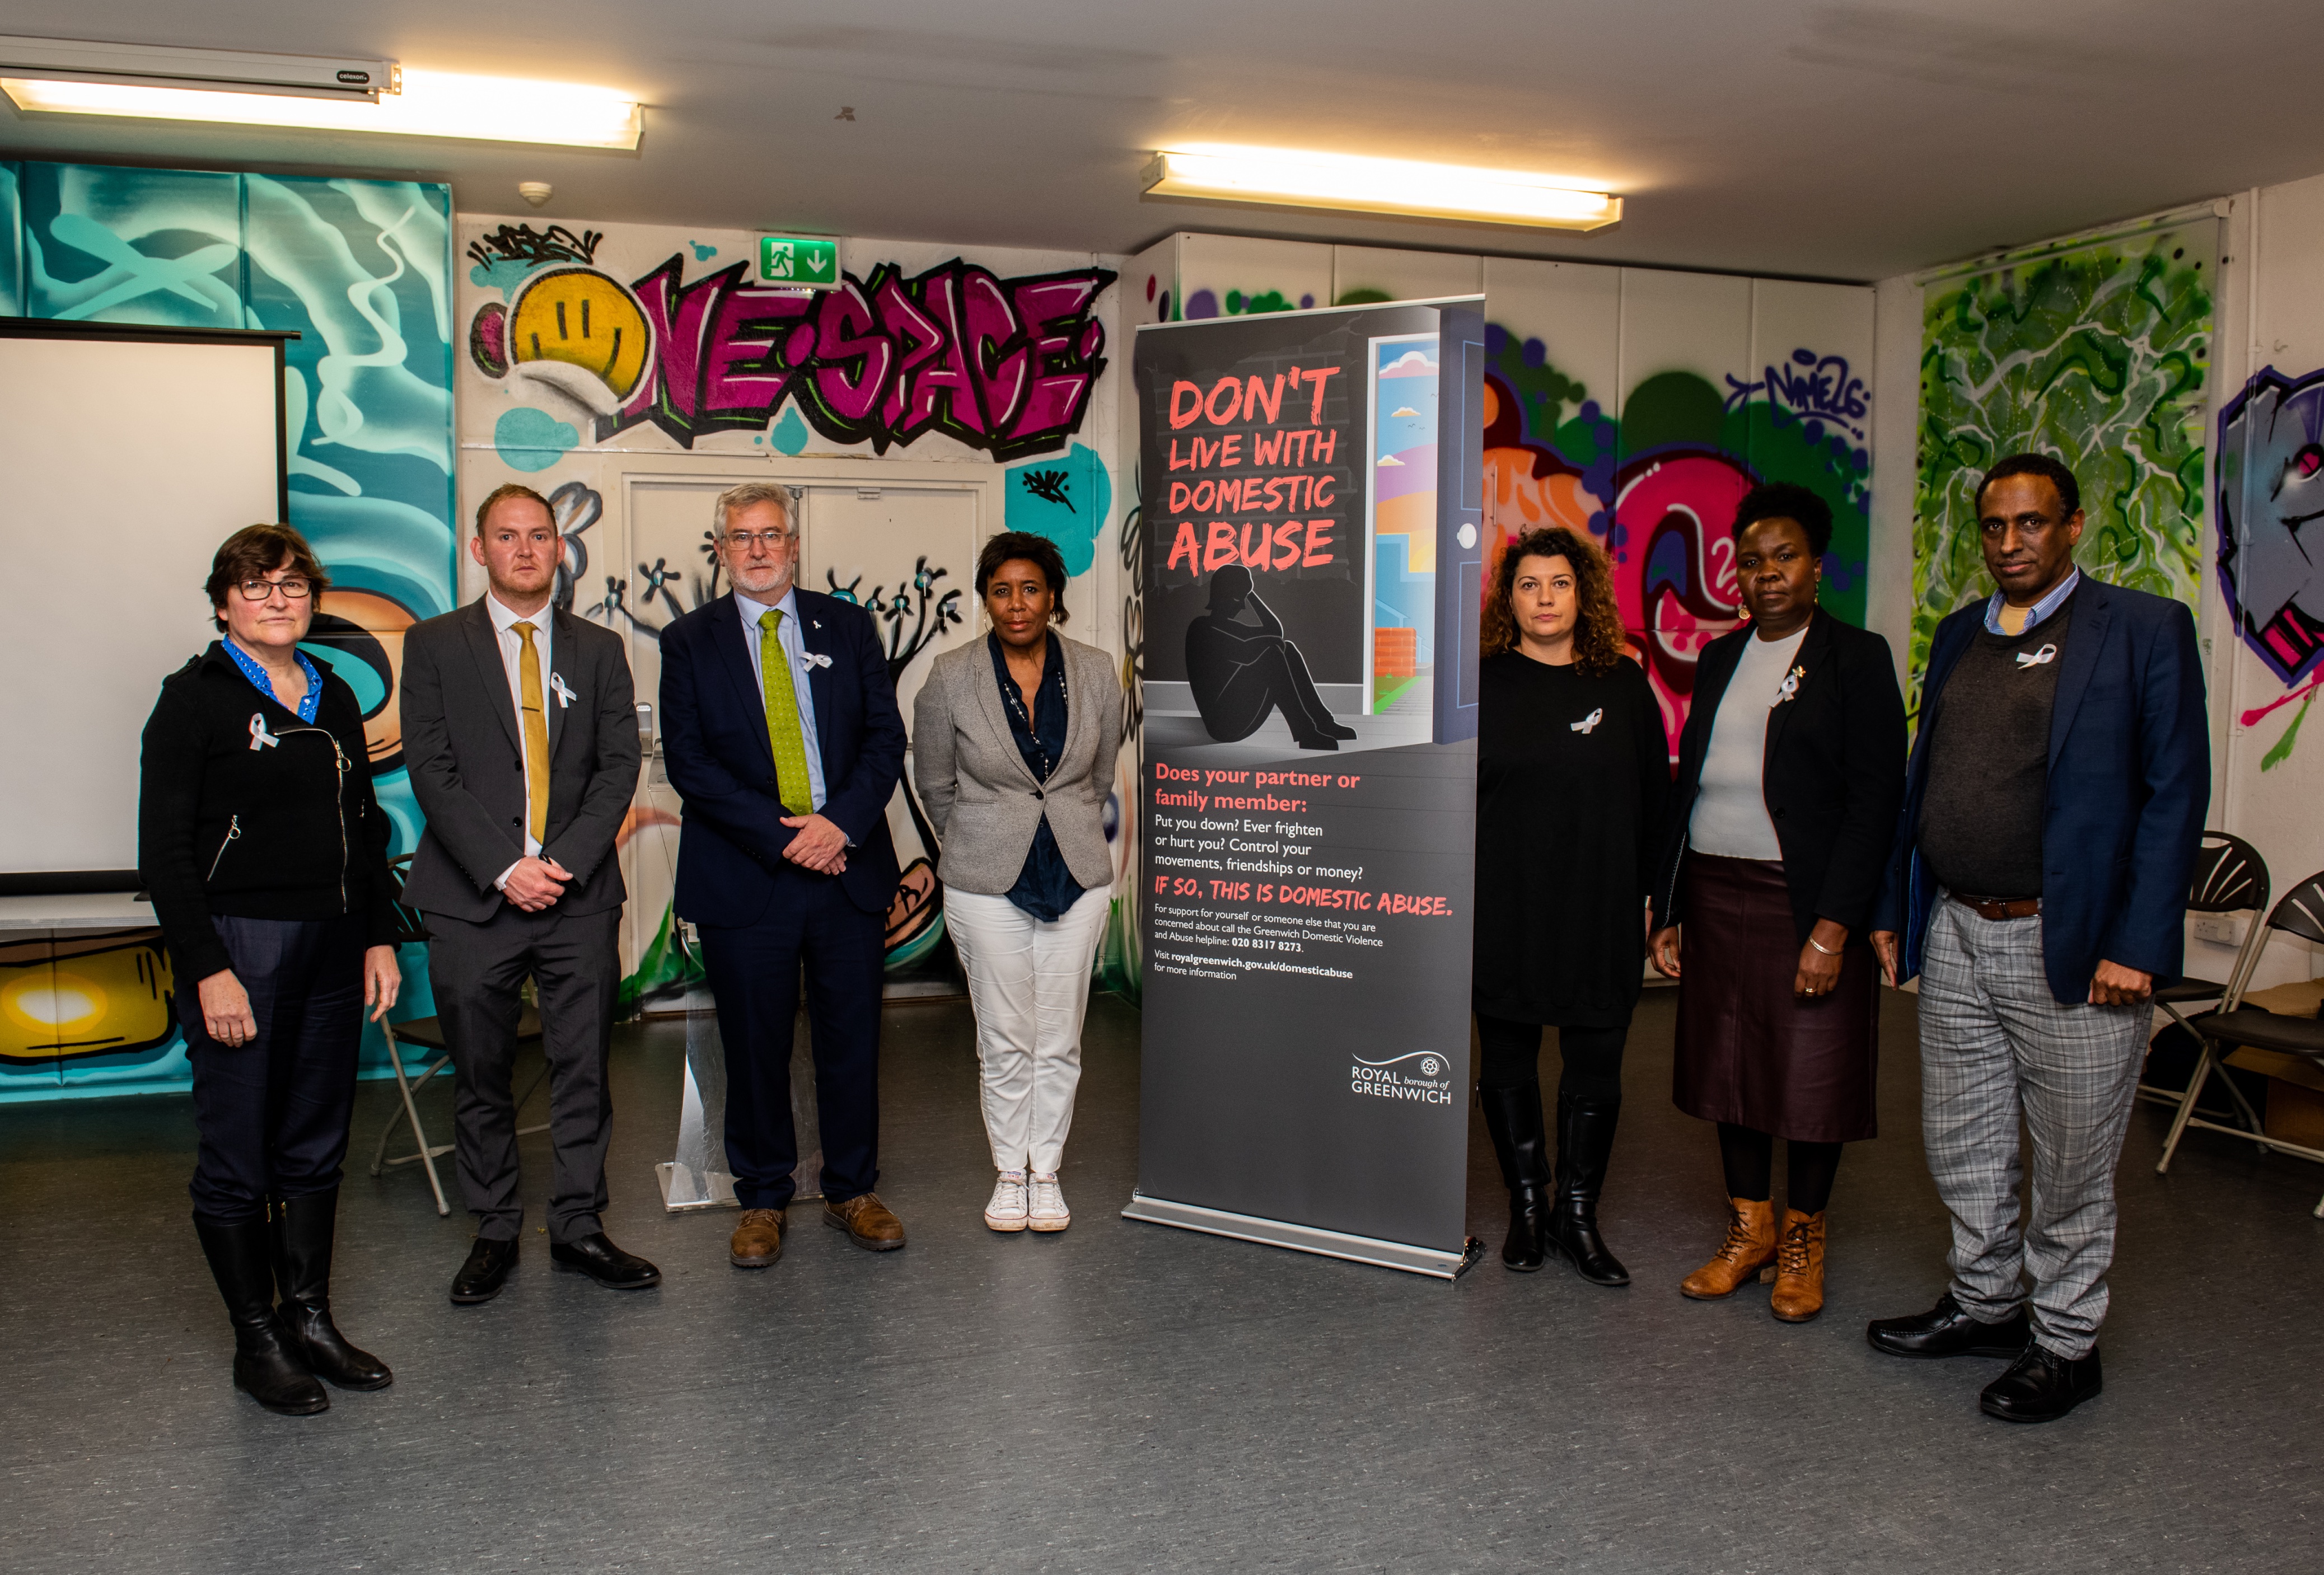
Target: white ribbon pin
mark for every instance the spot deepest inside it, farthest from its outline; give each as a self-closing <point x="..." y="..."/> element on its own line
<point x="259" y="739"/>
<point x="815" y="659"/>
<point x="1791" y="685"/>
<point x="1589" y="721"/>
<point x="564" y="696"/>
<point x="2034" y="658"/>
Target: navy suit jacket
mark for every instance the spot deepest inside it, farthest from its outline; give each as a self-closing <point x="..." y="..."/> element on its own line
<point x="2130" y="782"/>
<point x="714" y="748"/>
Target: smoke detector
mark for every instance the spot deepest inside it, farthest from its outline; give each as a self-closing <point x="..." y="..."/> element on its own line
<point x="535" y="192"/>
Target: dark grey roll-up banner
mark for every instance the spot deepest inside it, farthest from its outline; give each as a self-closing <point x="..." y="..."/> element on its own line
<point x="1311" y="492"/>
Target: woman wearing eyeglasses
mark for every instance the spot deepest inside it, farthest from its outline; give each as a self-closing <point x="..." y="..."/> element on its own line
<point x="266" y="857"/>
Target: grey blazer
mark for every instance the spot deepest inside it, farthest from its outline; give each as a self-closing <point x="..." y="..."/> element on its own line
<point x="977" y="789"/>
<point x="461" y="742"/>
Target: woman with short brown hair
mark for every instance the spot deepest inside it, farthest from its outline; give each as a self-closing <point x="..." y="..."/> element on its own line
<point x="1572" y="770"/>
<point x="265" y="852"/>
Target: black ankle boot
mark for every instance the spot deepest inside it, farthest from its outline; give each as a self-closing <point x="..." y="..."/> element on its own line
<point x="1513" y="1117"/>
<point x="1585" y="1140"/>
<point x="267" y="1365"/>
<point x="303" y="1229"/>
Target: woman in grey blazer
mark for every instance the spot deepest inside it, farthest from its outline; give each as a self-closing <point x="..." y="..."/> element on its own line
<point x="1013" y="744"/>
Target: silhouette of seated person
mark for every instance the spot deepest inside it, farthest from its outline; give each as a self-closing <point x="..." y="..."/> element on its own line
<point x="1240" y="674"/>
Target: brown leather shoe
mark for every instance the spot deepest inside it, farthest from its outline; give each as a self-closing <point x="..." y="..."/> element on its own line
<point x="1750" y="1247"/>
<point x="758" y="1239"/>
<point x="866" y="1221"/>
<point x="1799" y="1268"/>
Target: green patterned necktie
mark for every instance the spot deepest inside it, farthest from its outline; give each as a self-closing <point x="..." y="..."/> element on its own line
<point x="783" y="735"/>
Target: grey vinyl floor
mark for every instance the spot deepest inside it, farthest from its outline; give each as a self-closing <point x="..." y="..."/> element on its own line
<point x="1133" y="1397"/>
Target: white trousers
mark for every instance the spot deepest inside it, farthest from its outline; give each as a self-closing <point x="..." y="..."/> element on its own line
<point x="1028" y="981"/>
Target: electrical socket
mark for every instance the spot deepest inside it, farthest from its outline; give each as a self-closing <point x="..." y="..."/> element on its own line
<point x="2219" y="929"/>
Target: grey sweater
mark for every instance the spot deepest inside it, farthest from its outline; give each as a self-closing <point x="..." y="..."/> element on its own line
<point x="984" y="802"/>
<point x="1990" y="762"/>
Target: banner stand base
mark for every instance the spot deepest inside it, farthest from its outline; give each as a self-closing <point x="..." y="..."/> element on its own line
<point x="1395" y="1255"/>
<point x="682" y="1190"/>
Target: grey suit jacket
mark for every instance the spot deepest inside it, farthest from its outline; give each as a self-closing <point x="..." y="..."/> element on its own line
<point x="467" y="758"/>
<point x="977" y="789"/>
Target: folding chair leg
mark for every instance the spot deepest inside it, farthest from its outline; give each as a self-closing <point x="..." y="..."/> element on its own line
<point x="2251" y="1117"/>
<point x="419" y="1134"/>
<point x="2195" y="1082"/>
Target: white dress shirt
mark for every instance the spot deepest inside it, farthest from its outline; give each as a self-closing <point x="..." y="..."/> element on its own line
<point x="793" y="647"/>
<point x="504" y="624"/>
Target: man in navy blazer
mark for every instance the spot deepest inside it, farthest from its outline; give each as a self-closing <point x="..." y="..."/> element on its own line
<point x="781" y="734"/>
<point x="2053" y="805"/>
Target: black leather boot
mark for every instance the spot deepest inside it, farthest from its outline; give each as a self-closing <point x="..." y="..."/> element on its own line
<point x="1585" y="1140"/>
<point x="303" y="1229"/>
<point x="1513" y="1117"/>
<point x="267" y="1363"/>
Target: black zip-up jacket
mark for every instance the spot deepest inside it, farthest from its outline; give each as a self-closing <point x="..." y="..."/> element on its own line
<point x="227" y="825"/>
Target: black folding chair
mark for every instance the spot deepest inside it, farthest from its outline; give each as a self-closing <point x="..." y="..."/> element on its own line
<point x="2300" y="914"/>
<point x="428" y="1033"/>
<point x="2231" y="877"/>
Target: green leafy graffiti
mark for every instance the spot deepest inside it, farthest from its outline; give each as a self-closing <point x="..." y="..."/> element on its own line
<point x="2097" y="355"/>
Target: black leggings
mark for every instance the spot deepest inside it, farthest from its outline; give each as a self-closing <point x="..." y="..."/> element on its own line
<point x="1511" y="1057"/>
<point x="1749" y="1158"/>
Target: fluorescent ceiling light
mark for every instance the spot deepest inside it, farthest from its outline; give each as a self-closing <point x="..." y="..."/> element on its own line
<point x="160" y="65"/>
<point x="433" y="104"/>
<point x="1283" y="178"/>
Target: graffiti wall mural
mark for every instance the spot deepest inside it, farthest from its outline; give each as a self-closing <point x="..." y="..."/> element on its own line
<point x="362" y="271"/>
<point x="631" y="374"/>
<point x="1658" y="484"/>
<point x="1002" y="366"/>
<point x="2270" y="482"/>
<point x="2097" y="353"/>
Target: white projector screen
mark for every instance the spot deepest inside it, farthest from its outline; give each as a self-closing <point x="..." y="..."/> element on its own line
<point x="126" y="456"/>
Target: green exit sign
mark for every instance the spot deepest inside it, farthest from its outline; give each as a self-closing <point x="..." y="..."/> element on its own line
<point x="800" y="260"/>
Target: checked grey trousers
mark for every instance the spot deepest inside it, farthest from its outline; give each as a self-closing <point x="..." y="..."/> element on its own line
<point x="1995" y="1044"/>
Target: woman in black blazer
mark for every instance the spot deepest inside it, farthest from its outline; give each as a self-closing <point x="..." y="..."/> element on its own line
<point x="1790" y="771"/>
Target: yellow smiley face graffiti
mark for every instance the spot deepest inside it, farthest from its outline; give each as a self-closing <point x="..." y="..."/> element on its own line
<point x="577" y="319"/>
<point x="96" y="995"/>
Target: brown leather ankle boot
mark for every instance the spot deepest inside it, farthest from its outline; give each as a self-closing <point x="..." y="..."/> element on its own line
<point x="1799" y="1268"/>
<point x="1750" y="1247"/>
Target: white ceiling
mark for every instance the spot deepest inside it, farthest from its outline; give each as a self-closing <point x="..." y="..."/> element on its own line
<point x="1783" y="136"/>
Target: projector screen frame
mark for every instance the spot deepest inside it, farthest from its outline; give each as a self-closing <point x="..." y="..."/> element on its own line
<point x="82" y="883"/>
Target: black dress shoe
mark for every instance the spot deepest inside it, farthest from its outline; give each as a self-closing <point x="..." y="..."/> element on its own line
<point x="1947" y="1330"/>
<point x="2041" y="1386"/>
<point x="595" y="1255"/>
<point x="480" y="1278"/>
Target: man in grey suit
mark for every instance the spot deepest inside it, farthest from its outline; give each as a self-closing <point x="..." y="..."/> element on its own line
<point x="521" y="731"/>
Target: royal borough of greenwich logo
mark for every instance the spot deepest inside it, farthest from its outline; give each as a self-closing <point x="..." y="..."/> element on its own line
<point x="1422" y="1077"/>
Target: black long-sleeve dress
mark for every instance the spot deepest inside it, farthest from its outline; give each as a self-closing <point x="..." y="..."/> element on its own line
<point x="1572" y="775"/>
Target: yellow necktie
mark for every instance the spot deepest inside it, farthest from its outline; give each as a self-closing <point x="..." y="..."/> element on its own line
<point x="2013" y="619"/>
<point x="536" y="736"/>
<point x="784" y="738"/>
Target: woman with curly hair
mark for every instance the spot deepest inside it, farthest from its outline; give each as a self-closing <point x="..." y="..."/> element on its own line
<point x="1572" y="768"/>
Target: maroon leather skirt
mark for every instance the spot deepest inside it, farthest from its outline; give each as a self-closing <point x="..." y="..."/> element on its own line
<point x="1749" y="1051"/>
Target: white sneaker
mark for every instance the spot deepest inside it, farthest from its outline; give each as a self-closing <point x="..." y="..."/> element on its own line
<point x="1006" y="1212"/>
<point x="1047" y="1211"/>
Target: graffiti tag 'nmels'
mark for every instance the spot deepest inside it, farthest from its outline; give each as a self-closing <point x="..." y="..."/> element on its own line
<point x="1001" y="365"/>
